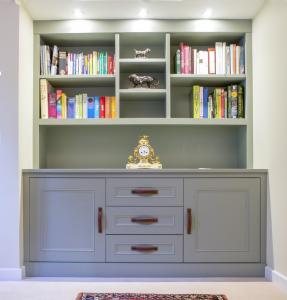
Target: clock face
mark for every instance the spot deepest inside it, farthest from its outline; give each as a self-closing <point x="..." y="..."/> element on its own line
<point x="144" y="151"/>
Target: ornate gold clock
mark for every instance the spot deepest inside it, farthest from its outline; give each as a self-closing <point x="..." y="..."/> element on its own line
<point x="143" y="156"/>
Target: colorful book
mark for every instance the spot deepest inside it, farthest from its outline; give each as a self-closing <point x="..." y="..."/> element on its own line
<point x="102" y="107"/>
<point x="79" y="107"/>
<point x="62" y="63"/>
<point x="234" y="101"/>
<point x="177" y="62"/>
<point x="54" y="64"/>
<point x="113" y="107"/>
<point x="107" y="107"/>
<point x="64" y="105"/>
<point x="195" y="102"/>
<point x="205" y="102"/>
<point x="91" y="108"/>
<point x="52" y="106"/>
<point x="59" y="103"/>
<point x="97" y="107"/>
<point x="240" y="112"/>
<point x="71" y="108"/>
<point x="85" y="106"/>
<point x="44" y="87"/>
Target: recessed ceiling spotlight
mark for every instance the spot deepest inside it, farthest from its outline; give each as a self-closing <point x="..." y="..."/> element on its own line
<point x="143" y="13"/>
<point x="78" y="13"/>
<point x="207" y="13"/>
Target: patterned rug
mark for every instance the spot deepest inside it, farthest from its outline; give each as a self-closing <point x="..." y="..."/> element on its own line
<point x="111" y="296"/>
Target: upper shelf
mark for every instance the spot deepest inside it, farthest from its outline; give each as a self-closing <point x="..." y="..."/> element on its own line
<point x="82" y="80"/>
<point x="144" y="121"/>
<point x="144" y="65"/>
<point x="191" y="79"/>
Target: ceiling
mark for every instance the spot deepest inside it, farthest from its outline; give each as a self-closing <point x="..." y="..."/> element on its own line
<point x="131" y="9"/>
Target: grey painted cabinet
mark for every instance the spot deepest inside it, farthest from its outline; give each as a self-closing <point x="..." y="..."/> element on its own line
<point x="144" y="223"/>
<point x="65" y="216"/>
<point x="222" y="220"/>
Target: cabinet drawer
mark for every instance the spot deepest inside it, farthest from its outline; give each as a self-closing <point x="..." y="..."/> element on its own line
<point x="144" y="220"/>
<point x="145" y="192"/>
<point x="145" y="248"/>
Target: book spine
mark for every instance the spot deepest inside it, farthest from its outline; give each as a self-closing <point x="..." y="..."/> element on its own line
<point x="79" y="107"/>
<point x="177" y="61"/>
<point x="44" y="98"/>
<point x="240" y="102"/>
<point x="225" y="103"/>
<point x="91" y="108"/>
<point x="64" y="106"/>
<point x="113" y="107"/>
<point x="222" y="104"/>
<point x="186" y="59"/>
<point x="218" y="103"/>
<point x="227" y="70"/>
<point x="97" y="107"/>
<point x="201" y="102"/>
<point x="223" y="66"/>
<point x="52" y="106"/>
<point x="205" y="102"/>
<point x="218" y="51"/>
<point x="59" y="103"/>
<point x="237" y="59"/>
<point x="71" y="108"/>
<point x="94" y="62"/>
<point x="107" y="107"/>
<point x="195" y="61"/>
<point x="182" y="58"/>
<point x="196" y="102"/>
<point x="110" y="64"/>
<point x="85" y="106"/>
<point x="102" y="107"/>
<point x="234" y="100"/>
<point x="234" y="59"/>
<point x="242" y="61"/>
<point x="211" y="61"/>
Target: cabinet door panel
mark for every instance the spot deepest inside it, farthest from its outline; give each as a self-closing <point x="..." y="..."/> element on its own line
<point x="64" y="219"/>
<point x="225" y="220"/>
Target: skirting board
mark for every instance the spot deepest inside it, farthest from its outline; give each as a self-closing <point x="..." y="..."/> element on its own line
<point x="276" y="277"/>
<point x="12" y="274"/>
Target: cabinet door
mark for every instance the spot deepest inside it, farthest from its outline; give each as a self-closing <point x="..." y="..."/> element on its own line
<point x="65" y="219"/>
<point x="222" y="220"/>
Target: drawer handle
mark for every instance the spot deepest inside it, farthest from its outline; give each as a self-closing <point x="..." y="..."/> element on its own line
<point x="100" y="219"/>
<point x="144" y="192"/>
<point x="144" y="248"/>
<point x="141" y="220"/>
<point x="189" y="221"/>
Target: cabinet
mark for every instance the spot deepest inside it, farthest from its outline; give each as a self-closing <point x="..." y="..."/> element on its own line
<point x="65" y="220"/>
<point x="222" y="217"/>
<point x="163" y="223"/>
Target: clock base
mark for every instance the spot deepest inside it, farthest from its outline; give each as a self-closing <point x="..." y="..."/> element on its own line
<point x="144" y="166"/>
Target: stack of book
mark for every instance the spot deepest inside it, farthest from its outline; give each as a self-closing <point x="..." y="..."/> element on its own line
<point x="221" y="59"/>
<point x="218" y="103"/>
<point x="68" y="63"/>
<point x="56" y="105"/>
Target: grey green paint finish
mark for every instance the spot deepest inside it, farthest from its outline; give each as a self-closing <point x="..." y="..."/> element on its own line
<point x="169" y="106"/>
<point x="220" y="201"/>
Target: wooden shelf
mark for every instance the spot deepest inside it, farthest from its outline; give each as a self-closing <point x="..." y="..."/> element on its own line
<point x="143" y="121"/>
<point x="80" y="80"/>
<point x="142" y="94"/>
<point x="191" y="79"/>
<point x="142" y="65"/>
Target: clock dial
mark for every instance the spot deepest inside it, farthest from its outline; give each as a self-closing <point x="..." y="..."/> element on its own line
<point x="144" y="151"/>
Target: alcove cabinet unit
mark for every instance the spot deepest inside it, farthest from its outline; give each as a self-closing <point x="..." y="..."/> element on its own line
<point x="163" y="112"/>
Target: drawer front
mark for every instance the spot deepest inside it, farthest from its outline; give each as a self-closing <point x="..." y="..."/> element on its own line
<point x="144" y="220"/>
<point x="145" y="248"/>
<point x="145" y="192"/>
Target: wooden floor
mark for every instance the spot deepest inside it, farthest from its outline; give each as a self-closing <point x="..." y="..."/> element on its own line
<point x="67" y="289"/>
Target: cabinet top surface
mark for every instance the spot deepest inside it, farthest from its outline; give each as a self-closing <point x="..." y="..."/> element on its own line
<point x="144" y="171"/>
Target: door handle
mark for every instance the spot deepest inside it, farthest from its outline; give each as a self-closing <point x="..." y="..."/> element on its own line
<point x="144" y="248"/>
<point x="144" y="220"/>
<point x="100" y="220"/>
<point x="144" y="192"/>
<point x="189" y="221"/>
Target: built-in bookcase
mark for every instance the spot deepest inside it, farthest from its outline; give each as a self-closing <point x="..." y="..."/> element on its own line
<point x="162" y="112"/>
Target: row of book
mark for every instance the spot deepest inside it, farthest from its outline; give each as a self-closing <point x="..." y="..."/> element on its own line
<point x="56" y="105"/>
<point x="221" y="59"/>
<point x="217" y="103"/>
<point x="57" y="62"/>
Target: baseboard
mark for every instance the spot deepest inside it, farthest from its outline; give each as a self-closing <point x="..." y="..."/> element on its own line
<point x="276" y="277"/>
<point x="12" y="273"/>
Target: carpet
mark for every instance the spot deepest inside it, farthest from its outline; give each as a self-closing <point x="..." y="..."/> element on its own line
<point x="125" y="296"/>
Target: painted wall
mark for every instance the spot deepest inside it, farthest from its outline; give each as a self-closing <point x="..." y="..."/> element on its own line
<point x="270" y="120"/>
<point x="25" y="100"/>
<point x="9" y="134"/>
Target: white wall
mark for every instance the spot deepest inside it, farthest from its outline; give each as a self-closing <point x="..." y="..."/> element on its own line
<point x="9" y="133"/>
<point x="270" y="121"/>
